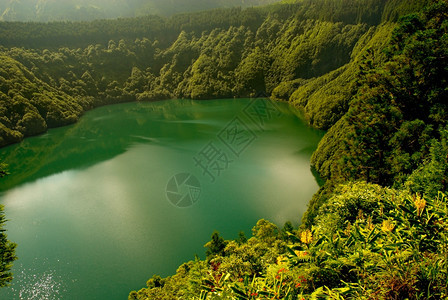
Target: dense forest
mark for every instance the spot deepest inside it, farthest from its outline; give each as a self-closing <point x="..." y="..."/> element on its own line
<point x="373" y="73"/>
<point x="51" y="73"/>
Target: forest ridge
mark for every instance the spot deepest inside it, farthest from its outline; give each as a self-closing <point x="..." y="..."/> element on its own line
<point x="53" y="72"/>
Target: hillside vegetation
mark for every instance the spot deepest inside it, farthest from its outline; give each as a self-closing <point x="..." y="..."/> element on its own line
<point x="371" y="72"/>
<point x="217" y="54"/>
<point x="385" y="111"/>
<point x="369" y="242"/>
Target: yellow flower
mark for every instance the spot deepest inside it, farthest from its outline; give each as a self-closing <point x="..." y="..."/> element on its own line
<point x="387" y="226"/>
<point x="300" y="253"/>
<point x="281" y="260"/>
<point x="420" y="204"/>
<point x="306" y="237"/>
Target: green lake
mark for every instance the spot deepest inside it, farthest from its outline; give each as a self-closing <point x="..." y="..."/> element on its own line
<point x="135" y="189"/>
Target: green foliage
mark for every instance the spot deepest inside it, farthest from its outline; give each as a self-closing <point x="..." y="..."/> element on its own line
<point x="155" y="282"/>
<point x="364" y="235"/>
<point x="237" y="262"/>
<point x="265" y="231"/>
<point x="7" y="248"/>
<point x="3" y="170"/>
<point x="383" y="107"/>
<point x="185" y="284"/>
<point x="216" y="245"/>
<point x="241" y="238"/>
<point x="350" y="202"/>
<point x="326" y="99"/>
<point x="28" y="105"/>
<point x="386" y="132"/>
<point x="433" y="174"/>
<point x="67" y="68"/>
<point x="394" y="9"/>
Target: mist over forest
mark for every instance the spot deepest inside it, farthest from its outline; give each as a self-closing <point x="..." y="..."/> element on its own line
<point x="84" y="10"/>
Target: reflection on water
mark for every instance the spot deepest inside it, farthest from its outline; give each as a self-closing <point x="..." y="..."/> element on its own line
<point x="35" y="284"/>
<point x="88" y="207"/>
<point x="98" y="138"/>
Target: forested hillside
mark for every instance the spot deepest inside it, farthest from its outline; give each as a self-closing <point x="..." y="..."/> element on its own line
<point x="215" y="54"/>
<point x="371" y="72"/>
<point x="386" y="112"/>
<point x="386" y="115"/>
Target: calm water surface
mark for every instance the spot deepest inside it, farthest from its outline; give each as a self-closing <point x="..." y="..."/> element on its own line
<point x="87" y="204"/>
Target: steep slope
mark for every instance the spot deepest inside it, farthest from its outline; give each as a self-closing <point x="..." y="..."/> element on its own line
<point x="216" y="54"/>
<point x="28" y="105"/>
<point x="358" y="240"/>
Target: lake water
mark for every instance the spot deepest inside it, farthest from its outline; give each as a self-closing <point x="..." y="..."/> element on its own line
<point x="135" y="189"/>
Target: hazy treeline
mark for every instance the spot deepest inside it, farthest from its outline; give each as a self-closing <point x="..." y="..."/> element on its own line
<point x="85" y="10"/>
